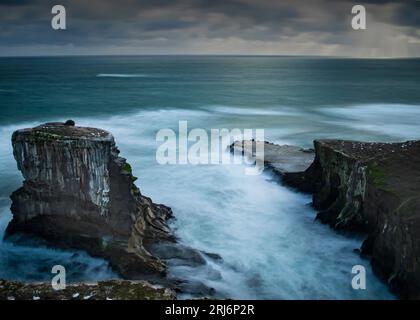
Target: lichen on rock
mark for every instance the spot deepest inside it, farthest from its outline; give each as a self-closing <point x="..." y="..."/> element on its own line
<point x="104" y="290"/>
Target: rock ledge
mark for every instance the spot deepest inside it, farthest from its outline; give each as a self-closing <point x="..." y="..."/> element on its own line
<point x="104" y="290"/>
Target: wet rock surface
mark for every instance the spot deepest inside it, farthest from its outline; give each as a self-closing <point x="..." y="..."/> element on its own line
<point x="285" y="161"/>
<point x="281" y="158"/>
<point x="182" y="259"/>
<point x="104" y="290"/>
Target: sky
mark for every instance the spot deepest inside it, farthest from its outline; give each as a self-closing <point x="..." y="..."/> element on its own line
<point x="247" y="27"/>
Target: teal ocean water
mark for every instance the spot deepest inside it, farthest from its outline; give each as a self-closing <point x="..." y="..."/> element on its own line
<point x="266" y="234"/>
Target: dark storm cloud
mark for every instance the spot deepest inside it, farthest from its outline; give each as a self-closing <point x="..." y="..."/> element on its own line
<point x="203" y="26"/>
<point x="14" y="2"/>
<point x="401" y="12"/>
<point x="407" y="14"/>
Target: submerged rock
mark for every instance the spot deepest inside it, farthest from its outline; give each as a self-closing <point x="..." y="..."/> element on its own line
<point x="373" y="188"/>
<point x="78" y="193"/>
<point x="104" y="290"/>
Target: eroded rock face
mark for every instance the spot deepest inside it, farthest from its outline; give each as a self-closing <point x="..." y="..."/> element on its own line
<point x="373" y="188"/>
<point x="78" y="193"/>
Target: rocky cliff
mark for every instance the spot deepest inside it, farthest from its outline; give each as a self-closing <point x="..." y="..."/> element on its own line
<point x="78" y="193"/>
<point x="372" y="188"/>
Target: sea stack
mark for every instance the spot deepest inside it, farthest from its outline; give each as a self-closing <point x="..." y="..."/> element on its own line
<point x="78" y="193"/>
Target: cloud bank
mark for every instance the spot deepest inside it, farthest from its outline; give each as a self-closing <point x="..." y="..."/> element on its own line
<point x="248" y="27"/>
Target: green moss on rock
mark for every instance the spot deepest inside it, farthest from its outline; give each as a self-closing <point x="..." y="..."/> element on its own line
<point x="127" y="168"/>
<point x="105" y="290"/>
<point x="377" y="174"/>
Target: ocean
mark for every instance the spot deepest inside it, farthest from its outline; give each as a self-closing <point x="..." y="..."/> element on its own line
<point x="265" y="233"/>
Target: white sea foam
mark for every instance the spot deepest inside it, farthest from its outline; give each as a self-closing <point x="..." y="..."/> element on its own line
<point x="266" y="234"/>
<point x="281" y="111"/>
<point x="398" y="121"/>
<point x="32" y="262"/>
<point x="123" y="75"/>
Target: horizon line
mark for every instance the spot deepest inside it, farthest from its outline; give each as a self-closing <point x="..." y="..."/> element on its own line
<point x="205" y="55"/>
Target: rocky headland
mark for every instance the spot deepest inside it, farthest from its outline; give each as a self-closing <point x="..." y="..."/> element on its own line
<point x="373" y="188"/>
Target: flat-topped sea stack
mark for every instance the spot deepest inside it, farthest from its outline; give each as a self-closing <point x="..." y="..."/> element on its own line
<point x="78" y="193"/>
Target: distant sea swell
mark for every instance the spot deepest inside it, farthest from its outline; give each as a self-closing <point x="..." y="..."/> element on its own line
<point x="122" y="75"/>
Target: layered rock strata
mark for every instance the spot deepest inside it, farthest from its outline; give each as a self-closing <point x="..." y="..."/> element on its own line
<point x="79" y="193"/>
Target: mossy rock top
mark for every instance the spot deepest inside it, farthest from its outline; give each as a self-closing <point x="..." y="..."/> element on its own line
<point x="60" y="131"/>
<point x="365" y="150"/>
<point x="104" y="290"/>
<point x="391" y="167"/>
